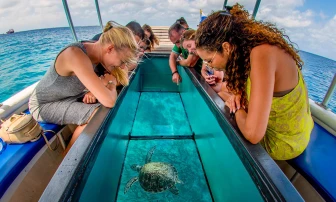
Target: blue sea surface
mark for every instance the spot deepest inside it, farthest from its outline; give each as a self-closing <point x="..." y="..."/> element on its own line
<point x="25" y="57"/>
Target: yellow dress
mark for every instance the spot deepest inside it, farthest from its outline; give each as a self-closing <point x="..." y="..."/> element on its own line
<point x="289" y="124"/>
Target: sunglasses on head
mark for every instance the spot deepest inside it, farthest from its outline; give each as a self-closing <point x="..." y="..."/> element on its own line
<point x="225" y="12"/>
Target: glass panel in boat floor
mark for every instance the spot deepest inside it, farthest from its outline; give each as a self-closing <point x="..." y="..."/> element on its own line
<point x="179" y="155"/>
<point x="160" y="114"/>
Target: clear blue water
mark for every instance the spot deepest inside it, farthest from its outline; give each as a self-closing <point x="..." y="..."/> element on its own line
<point x="166" y="119"/>
<point x="163" y="113"/>
<point x="25" y="57"/>
<point x="182" y="155"/>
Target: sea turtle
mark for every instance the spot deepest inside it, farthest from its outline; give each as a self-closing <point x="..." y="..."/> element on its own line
<point x="155" y="176"/>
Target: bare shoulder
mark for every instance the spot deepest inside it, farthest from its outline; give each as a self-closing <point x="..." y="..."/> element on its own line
<point x="264" y="50"/>
<point x="75" y="56"/>
<point x="73" y="53"/>
<point x="266" y="55"/>
<point x="70" y="59"/>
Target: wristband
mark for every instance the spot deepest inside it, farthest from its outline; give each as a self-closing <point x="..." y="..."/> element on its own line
<point x="174" y="72"/>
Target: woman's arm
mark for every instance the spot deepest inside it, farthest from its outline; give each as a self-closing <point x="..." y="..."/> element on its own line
<point x="224" y="95"/>
<point x="190" y="61"/>
<point x="78" y="63"/>
<point x="254" y="123"/>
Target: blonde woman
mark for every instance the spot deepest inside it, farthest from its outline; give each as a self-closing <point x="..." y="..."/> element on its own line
<point x="55" y="99"/>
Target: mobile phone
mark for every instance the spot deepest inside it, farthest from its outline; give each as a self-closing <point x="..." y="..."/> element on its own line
<point x="210" y="71"/>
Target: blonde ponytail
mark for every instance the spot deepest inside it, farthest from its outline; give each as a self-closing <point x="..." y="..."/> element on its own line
<point x="108" y="26"/>
<point x="121" y="75"/>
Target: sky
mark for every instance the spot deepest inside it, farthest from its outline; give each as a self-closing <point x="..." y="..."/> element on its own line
<point x="311" y="24"/>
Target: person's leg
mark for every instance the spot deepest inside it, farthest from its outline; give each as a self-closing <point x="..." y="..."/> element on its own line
<point x="76" y="134"/>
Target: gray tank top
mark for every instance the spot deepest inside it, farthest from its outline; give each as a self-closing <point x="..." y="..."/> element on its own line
<point x="53" y="87"/>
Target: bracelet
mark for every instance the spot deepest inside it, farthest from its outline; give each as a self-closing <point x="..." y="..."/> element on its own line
<point x="174" y="72"/>
<point x="109" y="82"/>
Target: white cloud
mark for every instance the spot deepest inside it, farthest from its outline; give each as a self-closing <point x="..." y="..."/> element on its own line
<point x="322" y="15"/>
<point x="301" y="25"/>
<point x="284" y="15"/>
<point x="8" y="4"/>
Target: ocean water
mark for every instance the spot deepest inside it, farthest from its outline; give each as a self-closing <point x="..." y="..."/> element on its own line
<point x="25" y="57"/>
<point x="163" y="113"/>
<point x="179" y="155"/>
<point x="165" y="119"/>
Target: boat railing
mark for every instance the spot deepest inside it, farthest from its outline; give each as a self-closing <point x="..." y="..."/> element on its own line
<point x="98" y="13"/>
<point x="67" y="13"/>
<point x="329" y="93"/>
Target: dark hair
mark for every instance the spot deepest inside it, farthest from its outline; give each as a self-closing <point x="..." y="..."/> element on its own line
<point x="182" y="21"/>
<point x="136" y="29"/>
<point x="177" y="27"/>
<point x="243" y="34"/>
<point x="153" y="39"/>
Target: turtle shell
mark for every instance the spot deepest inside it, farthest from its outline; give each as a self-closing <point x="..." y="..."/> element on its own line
<point x="157" y="176"/>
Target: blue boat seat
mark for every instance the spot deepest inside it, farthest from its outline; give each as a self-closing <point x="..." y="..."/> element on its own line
<point x="16" y="156"/>
<point x="317" y="163"/>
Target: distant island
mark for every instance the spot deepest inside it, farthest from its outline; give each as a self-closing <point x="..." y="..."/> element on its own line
<point x="11" y="31"/>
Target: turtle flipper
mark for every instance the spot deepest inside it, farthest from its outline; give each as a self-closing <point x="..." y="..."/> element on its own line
<point x="174" y="190"/>
<point x="136" y="167"/>
<point x="179" y="181"/>
<point x="150" y="154"/>
<point x="130" y="183"/>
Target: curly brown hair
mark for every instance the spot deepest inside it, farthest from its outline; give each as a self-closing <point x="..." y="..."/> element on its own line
<point x="153" y="39"/>
<point x="243" y="34"/>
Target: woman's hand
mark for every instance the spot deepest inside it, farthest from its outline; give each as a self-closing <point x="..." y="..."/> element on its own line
<point x="108" y="77"/>
<point x="89" y="98"/>
<point x="234" y="103"/>
<point x="211" y="80"/>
